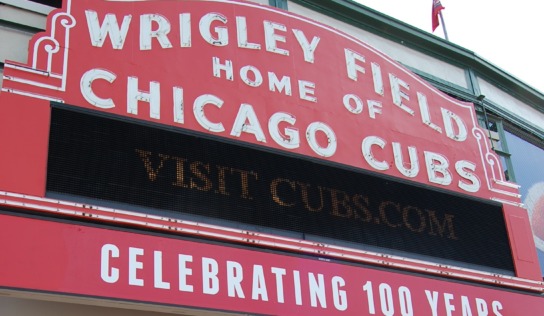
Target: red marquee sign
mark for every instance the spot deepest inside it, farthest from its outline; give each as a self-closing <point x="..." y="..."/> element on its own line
<point x="258" y="75"/>
<point x="254" y="74"/>
<point x="81" y="260"/>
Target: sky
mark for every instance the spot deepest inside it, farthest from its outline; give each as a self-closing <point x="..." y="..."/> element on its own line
<point x="509" y="34"/>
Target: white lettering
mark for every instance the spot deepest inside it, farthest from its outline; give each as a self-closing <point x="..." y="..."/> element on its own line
<point x="272" y="39"/>
<point x="297" y="285"/>
<point x="398" y="94"/>
<point x="366" y="148"/>
<point x="279" y="273"/>
<point x="351" y="64"/>
<point x="226" y="67"/>
<point x="259" y="285"/>
<point x="200" y="116"/>
<point x="108" y="274"/>
<point x="497" y="307"/>
<point x="274" y="83"/>
<point x="339" y="296"/>
<point x="437" y="168"/>
<point x="425" y="115"/>
<point x="461" y="167"/>
<point x="210" y="281"/>
<point x="257" y="77"/>
<point x="465" y="306"/>
<point x="157" y="262"/>
<point x="185" y="29"/>
<point x="247" y="121"/>
<point x="241" y="30"/>
<point x="307" y="47"/>
<point x="290" y="137"/>
<point x="87" y="91"/>
<point x="432" y="298"/>
<point x="235" y="275"/>
<point x="184" y="271"/>
<point x="147" y="33"/>
<point x="401" y="165"/>
<point x="449" y="117"/>
<point x="153" y="97"/>
<point x="481" y="307"/>
<point x="134" y="265"/>
<point x="222" y="35"/>
<point x="177" y="95"/>
<point x="109" y="27"/>
<point x="357" y="108"/>
<point x="306" y="90"/>
<point x="450" y="308"/>
<point x="311" y="132"/>
<point x="317" y="290"/>
<point x="377" y="78"/>
<point x="374" y="107"/>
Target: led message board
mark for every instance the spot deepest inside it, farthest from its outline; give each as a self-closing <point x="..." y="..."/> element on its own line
<point x="115" y="160"/>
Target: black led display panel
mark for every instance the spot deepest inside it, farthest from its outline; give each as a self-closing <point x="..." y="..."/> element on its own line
<point x="158" y="168"/>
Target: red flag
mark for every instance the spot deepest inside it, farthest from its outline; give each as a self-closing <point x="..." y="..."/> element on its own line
<point x="437" y="7"/>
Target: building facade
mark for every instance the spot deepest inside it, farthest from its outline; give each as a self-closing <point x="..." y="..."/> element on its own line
<point x="261" y="158"/>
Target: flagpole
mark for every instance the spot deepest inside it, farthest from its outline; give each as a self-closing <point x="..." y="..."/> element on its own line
<point x="443" y="25"/>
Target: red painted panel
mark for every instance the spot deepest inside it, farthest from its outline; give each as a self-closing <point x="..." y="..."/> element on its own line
<point x="68" y="258"/>
<point x="523" y="245"/>
<point x="24" y="128"/>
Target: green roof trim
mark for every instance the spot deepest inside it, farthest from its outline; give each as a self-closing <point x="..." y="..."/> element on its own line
<point x="282" y="4"/>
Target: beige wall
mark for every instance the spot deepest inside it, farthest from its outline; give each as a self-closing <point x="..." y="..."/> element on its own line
<point x="511" y="104"/>
<point x="265" y="2"/>
<point x="18" y="18"/>
<point x="51" y="305"/>
<point x="14" y="44"/>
